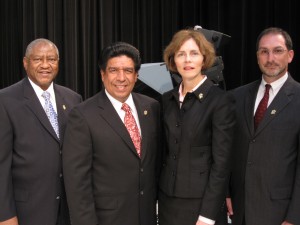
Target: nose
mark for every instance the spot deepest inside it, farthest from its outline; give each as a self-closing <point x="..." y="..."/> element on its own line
<point x="271" y="56"/>
<point x="45" y="62"/>
<point x="188" y="58"/>
<point x="121" y="75"/>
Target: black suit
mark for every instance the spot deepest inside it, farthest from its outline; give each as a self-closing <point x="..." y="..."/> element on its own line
<point x="106" y="181"/>
<point x="31" y="185"/>
<point x="197" y="158"/>
<point x="265" y="182"/>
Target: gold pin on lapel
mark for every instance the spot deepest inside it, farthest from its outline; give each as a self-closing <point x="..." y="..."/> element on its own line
<point x="64" y="107"/>
<point x="145" y="112"/>
<point x="200" y="96"/>
<point x="273" y="112"/>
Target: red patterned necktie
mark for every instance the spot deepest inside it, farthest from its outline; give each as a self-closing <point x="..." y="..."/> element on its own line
<point x="132" y="128"/>
<point x="262" y="107"/>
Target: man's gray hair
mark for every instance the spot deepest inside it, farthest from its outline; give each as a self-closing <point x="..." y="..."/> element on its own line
<point x="38" y="41"/>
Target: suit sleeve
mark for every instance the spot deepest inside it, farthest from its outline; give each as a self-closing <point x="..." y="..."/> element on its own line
<point x="8" y="209"/>
<point x="77" y="166"/>
<point x="223" y="124"/>
<point x="293" y="215"/>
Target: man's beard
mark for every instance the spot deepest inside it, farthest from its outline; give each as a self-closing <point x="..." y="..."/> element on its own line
<point x="275" y="73"/>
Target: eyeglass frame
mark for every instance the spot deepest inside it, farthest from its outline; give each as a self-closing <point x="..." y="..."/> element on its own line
<point x="278" y="51"/>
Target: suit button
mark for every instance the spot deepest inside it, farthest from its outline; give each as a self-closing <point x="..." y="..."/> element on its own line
<point x="57" y="197"/>
<point x="174" y="157"/>
<point x="142" y="170"/>
<point x="142" y="192"/>
<point x="177" y="125"/>
<point x="60" y="175"/>
<point x="60" y="152"/>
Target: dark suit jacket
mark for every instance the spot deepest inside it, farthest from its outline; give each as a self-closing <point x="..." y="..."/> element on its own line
<point x="265" y="183"/>
<point x="106" y="181"/>
<point x="31" y="186"/>
<point x="199" y="138"/>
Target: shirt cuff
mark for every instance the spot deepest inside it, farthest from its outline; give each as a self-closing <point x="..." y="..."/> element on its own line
<point x="206" y="220"/>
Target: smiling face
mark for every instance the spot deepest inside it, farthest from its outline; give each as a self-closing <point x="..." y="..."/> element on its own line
<point x="189" y="60"/>
<point x="119" y="77"/>
<point x="41" y="65"/>
<point x="273" y="56"/>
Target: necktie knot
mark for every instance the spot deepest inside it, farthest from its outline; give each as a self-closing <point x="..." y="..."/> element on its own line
<point x="125" y="107"/>
<point x="268" y="86"/>
<point x="46" y="95"/>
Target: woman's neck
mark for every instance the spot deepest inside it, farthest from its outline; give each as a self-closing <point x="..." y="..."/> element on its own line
<point x="188" y="85"/>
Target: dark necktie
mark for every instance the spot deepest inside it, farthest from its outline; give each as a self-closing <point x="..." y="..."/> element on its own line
<point x="262" y="107"/>
<point x="51" y="114"/>
<point x="132" y="128"/>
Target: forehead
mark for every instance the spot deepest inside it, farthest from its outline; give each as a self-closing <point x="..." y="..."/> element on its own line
<point x="189" y="44"/>
<point x="272" y="41"/>
<point x="43" y="49"/>
<point x="120" y="61"/>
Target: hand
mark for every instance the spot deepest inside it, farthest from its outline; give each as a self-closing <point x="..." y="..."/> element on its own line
<point x="12" y="221"/>
<point x="199" y="222"/>
<point x="286" y="223"/>
<point x="229" y="207"/>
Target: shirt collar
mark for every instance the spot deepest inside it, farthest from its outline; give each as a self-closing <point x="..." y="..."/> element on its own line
<point x="117" y="104"/>
<point x="181" y="97"/>
<point x="39" y="91"/>
<point x="276" y="85"/>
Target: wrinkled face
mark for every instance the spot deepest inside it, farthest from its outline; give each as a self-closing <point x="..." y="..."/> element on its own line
<point x="189" y="60"/>
<point x="273" y="56"/>
<point x="41" y="65"/>
<point x="119" y="77"/>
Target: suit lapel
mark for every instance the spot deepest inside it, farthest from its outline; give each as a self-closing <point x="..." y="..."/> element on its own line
<point x="109" y="114"/>
<point x="143" y="114"/>
<point x="249" y="106"/>
<point x="35" y="106"/>
<point x="281" y="100"/>
<point x="61" y="110"/>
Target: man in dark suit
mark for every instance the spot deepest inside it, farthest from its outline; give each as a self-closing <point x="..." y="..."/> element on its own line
<point x="265" y="182"/>
<point x="31" y="182"/>
<point x="111" y="178"/>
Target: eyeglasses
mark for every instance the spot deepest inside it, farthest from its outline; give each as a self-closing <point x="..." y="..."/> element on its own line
<point x="266" y="52"/>
<point x="116" y="70"/>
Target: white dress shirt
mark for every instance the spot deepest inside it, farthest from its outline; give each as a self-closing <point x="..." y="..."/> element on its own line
<point x="275" y="87"/>
<point x="39" y="91"/>
<point x="118" y="105"/>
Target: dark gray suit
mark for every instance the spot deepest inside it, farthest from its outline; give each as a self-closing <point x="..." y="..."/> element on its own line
<point x="106" y="181"/>
<point x="31" y="185"/>
<point x="265" y="182"/>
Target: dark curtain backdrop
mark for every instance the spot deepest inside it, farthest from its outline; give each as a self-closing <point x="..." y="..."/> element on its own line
<point x="80" y="28"/>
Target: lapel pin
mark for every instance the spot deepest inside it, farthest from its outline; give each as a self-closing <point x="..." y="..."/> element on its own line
<point x="145" y="112"/>
<point x="200" y="96"/>
<point x="64" y="107"/>
<point x="273" y="112"/>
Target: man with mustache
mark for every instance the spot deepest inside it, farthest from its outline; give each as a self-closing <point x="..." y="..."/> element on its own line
<point x="265" y="180"/>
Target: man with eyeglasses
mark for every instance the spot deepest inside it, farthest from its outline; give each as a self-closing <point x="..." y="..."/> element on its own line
<point x="265" y="180"/>
<point x="111" y="148"/>
<point x="33" y="114"/>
